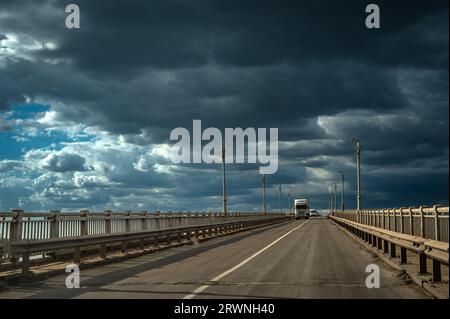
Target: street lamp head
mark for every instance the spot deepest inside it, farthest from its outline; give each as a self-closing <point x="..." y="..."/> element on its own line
<point x="357" y="144"/>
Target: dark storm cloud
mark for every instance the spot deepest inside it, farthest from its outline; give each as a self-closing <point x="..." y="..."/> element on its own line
<point x="220" y="97"/>
<point x="311" y="68"/>
<point x="302" y="59"/>
<point x="120" y="35"/>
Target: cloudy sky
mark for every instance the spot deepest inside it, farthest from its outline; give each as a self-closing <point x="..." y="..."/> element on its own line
<point x="86" y="114"/>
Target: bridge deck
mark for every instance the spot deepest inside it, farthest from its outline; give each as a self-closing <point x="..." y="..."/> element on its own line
<point x="315" y="260"/>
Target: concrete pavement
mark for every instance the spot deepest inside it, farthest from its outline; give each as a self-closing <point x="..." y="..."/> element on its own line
<point x="298" y="259"/>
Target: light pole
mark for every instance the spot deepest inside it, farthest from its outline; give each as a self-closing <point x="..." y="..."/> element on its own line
<point x="264" y="194"/>
<point x="335" y="196"/>
<point x="281" y="201"/>
<point x="289" y="201"/>
<point x="342" y="192"/>
<point x="358" y="173"/>
<point x="224" y="183"/>
<point x="330" y="193"/>
<point x="329" y="200"/>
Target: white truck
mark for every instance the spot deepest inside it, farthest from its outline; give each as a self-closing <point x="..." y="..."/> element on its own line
<point x="301" y="208"/>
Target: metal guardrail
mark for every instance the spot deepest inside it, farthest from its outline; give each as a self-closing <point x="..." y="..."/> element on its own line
<point x="17" y="225"/>
<point x="425" y="222"/>
<point x="25" y="248"/>
<point x="389" y="240"/>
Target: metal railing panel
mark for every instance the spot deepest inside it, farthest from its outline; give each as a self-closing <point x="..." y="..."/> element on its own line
<point x="427" y="222"/>
<point x="18" y="225"/>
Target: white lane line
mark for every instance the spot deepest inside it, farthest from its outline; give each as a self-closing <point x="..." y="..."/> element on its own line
<point x="201" y="288"/>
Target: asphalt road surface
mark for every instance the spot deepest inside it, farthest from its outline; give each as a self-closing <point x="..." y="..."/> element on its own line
<point x="299" y="259"/>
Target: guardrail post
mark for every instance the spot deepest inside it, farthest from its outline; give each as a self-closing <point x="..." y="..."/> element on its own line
<point x="124" y="247"/>
<point x="15" y="232"/>
<point x="386" y="246"/>
<point x="402" y="229"/>
<point x="389" y="219"/>
<point x="437" y="277"/>
<point x="83" y="232"/>
<point x="156" y="220"/>
<point x="83" y="222"/>
<point x="378" y="214"/>
<point x="144" y="220"/>
<point x="108" y="216"/>
<point x="422" y="264"/>
<point x="395" y="220"/>
<point x="108" y="222"/>
<point x="380" y="246"/>
<point x="169" y="219"/>
<point x="188" y="235"/>
<point x="54" y="223"/>
<point x="77" y="255"/>
<point x="393" y="251"/>
<point x="436" y="223"/>
<point x="25" y="263"/>
<point x="143" y="227"/>
<point x="127" y="221"/>
<point x="54" y="228"/>
<point x="180" y="220"/>
<point x="411" y="222"/>
<point x="381" y="214"/>
<point x="422" y="223"/>
<point x="403" y="255"/>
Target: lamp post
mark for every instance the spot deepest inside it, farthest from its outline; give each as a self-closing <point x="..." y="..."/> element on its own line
<point x="264" y="194"/>
<point x="335" y="197"/>
<point x="289" y="201"/>
<point x="358" y="173"/>
<point x="224" y="183"/>
<point x="281" y="201"/>
<point x="342" y="192"/>
<point x="330" y="192"/>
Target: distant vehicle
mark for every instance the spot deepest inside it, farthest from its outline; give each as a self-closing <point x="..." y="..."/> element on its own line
<point x="301" y="208"/>
<point x="313" y="212"/>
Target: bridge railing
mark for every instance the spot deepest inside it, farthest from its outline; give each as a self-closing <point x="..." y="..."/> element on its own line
<point x="389" y="241"/>
<point x="24" y="249"/>
<point x="19" y="225"/>
<point x="425" y="222"/>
